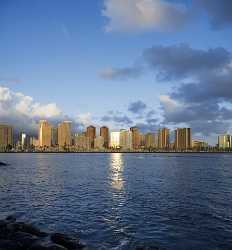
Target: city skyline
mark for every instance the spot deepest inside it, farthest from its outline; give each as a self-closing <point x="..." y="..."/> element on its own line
<point x="137" y="70"/>
<point x="61" y="137"/>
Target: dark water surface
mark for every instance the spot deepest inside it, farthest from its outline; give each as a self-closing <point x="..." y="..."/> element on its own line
<point x="115" y="201"/>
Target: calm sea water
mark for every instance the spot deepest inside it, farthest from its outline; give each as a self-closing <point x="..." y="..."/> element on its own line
<point x="117" y="201"/>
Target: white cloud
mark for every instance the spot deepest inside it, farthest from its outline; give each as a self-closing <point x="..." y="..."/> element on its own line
<point x="168" y="104"/>
<point x="23" y="112"/>
<point x="140" y="15"/>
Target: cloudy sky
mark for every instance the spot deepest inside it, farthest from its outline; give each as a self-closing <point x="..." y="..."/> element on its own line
<point x="120" y="63"/>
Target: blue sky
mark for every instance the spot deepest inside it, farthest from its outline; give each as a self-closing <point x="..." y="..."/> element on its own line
<point x="60" y="51"/>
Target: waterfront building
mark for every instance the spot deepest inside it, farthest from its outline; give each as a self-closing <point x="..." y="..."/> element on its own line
<point x="135" y="137"/>
<point x="163" y="138"/>
<point x="104" y="132"/>
<point x="54" y="136"/>
<point x="34" y="142"/>
<point x="45" y="134"/>
<point x="142" y="140"/>
<point x="183" y="138"/>
<point x="24" y="142"/>
<point x="82" y="142"/>
<point x="115" y="140"/>
<point x="125" y="140"/>
<point x="224" y="141"/>
<point x="91" y="133"/>
<point x="64" y="134"/>
<point x="6" y="137"/>
<point x="99" y="142"/>
<point x="199" y="145"/>
<point x="150" y="140"/>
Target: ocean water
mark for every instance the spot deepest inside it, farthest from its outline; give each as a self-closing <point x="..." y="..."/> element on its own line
<point x="119" y="201"/>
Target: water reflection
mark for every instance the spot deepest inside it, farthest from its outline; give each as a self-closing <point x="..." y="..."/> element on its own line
<point x="116" y="174"/>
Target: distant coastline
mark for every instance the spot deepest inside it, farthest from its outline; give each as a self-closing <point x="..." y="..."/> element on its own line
<point x="122" y="152"/>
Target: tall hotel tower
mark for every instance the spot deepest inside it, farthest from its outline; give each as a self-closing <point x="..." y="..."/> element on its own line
<point x="135" y="137"/>
<point x="163" y="138"/>
<point x="91" y="134"/>
<point x="104" y="132"/>
<point x="183" y="138"/>
<point x="6" y="136"/>
<point x="45" y="134"/>
<point x="64" y="134"/>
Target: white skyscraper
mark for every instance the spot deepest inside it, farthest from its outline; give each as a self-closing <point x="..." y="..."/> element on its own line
<point x="115" y="139"/>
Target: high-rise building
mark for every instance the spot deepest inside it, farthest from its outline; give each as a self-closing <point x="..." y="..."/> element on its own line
<point x="125" y="139"/>
<point x="183" y="138"/>
<point x="142" y="140"/>
<point x="115" y="140"/>
<point x="150" y="140"/>
<point x="135" y="137"/>
<point x="82" y="142"/>
<point x="99" y="142"/>
<point x="23" y="141"/>
<point x="104" y="132"/>
<point x="64" y="134"/>
<point x="91" y="133"/>
<point x="6" y="137"/>
<point x="34" y="142"/>
<point x="45" y="134"/>
<point x="224" y="141"/>
<point x="54" y="136"/>
<point x="163" y="138"/>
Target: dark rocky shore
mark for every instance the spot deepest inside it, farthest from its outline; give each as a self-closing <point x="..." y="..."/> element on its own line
<point x="15" y="235"/>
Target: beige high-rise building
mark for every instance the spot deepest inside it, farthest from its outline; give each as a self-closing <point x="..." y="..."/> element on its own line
<point x="99" y="142"/>
<point x="6" y="136"/>
<point x="150" y="140"/>
<point x="64" y="134"/>
<point x="91" y="133"/>
<point x="142" y="140"/>
<point x="163" y="138"/>
<point x="104" y="132"/>
<point x="135" y="137"/>
<point x="45" y="134"/>
<point x="224" y="141"/>
<point x="34" y="142"/>
<point x="82" y="142"/>
<point x="183" y="138"/>
<point x="125" y="139"/>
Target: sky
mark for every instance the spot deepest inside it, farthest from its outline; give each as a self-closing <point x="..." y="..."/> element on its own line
<point x="120" y="63"/>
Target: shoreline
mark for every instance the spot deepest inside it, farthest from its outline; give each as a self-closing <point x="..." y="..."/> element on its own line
<point x="122" y="152"/>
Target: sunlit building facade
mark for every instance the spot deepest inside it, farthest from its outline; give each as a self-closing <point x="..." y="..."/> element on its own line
<point x="125" y="139"/>
<point x="224" y="141"/>
<point x="183" y="138"/>
<point x="82" y="142"/>
<point x="99" y="142"/>
<point x="150" y="140"/>
<point x="104" y="132"/>
<point x="6" y="136"/>
<point x="163" y="138"/>
<point x="199" y="145"/>
<point x="45" y="134"/>
<point x="64" y="134"/>
<point x="115" y="140"/>
<point x="91" y="133"/>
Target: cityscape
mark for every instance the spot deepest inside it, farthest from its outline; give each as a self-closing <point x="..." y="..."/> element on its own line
<point x="61" y="139"/>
